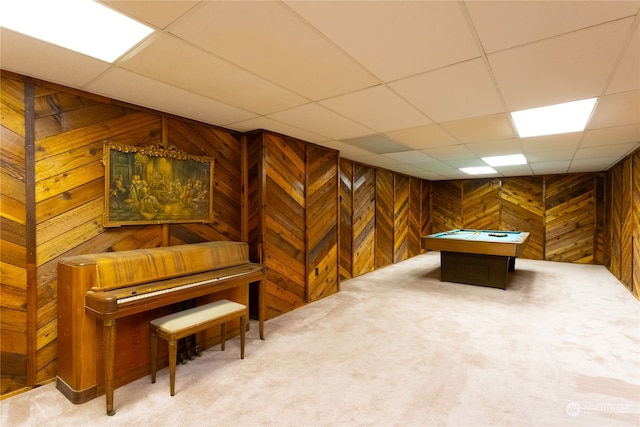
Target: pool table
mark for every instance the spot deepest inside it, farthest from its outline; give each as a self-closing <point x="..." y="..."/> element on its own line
<point x="477" y="257"/>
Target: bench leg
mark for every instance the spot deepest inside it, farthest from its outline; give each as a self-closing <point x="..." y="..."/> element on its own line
<point x="243" y="331"/>
<point x="153" y="341"/>
<point x="173" y="352"/>
<point x="223" y="335"/>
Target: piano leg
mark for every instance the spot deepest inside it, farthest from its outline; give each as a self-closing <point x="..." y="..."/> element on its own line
<point x="109" y="360"/>
<point x="261" y="305"/>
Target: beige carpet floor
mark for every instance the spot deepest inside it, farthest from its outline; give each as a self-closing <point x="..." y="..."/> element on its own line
<point x="397" y="347"/>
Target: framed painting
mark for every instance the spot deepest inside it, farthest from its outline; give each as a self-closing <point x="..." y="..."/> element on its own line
<point x="152" y="185"/>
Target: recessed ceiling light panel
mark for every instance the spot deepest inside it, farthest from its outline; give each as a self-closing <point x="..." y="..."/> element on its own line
<point x="479" y="170"/>
<point x="83" y="26"/>
<point x="554" y="119"/>
<point x="510" y="160"/>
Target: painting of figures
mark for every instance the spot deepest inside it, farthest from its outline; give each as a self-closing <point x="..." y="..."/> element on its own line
<point x="151" y="185"/>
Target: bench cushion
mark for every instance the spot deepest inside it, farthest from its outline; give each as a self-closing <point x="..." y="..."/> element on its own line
<point x="192" y="317"/>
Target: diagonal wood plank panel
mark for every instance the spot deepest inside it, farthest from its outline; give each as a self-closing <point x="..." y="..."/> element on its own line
<point x="481" y="204"/>
<point x="570" y="224"/>
<point x="446" y="205"/>
<point x="626" y="221"/>
<point x="322" y="222"/>
<point x="284" y="222"/>
<point x="415" y="212"/>
<point x="13" y="268"/>
<point x="364" y="210"/>
<point x="346" y="219"/>
<point x="636" y="223"/>
<point x="400" y="218"/>
<point x="384" y="218"/>
<point x="615" y="199"/>
<point x="522" y="209"/>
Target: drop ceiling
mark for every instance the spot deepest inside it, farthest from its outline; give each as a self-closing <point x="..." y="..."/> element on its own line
<point x="418" y="87"/>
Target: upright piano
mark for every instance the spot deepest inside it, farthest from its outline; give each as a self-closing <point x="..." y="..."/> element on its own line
<point x="130" y="288"/>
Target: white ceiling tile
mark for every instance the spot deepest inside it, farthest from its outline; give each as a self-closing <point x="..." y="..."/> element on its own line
<point x="467" y="163"/>
<point x="560" y="69"/>
<point x="378" y="160"/>
<point x="394" y="39"/>
<point x="275" y="44"/>
<point x="496" y="148"/>
<point x="517" y="170"/>
<point x="456" y="92"/>
<point x="35" y="58"/>
<point x="347" y="150"/>
<point x="613" y="135"/>
<point x="422" y="137"/>
<point x="563" y="141"/>
<point x="377" y="108"/>
<point x="617" y="109"/>
<point x="605" y="151"/>
<point x="406" y="169"/>
<point x="451" y="152"/>
<point x="317" y="119"/>
<point x="479" y="129"/>
<point x="159" y="13"/>
<point x="523" y="22"/>
<point x="209" y="76"/>
<point x="266" y="123"/>
<point x="627" y="75"/>
<point x="589" y="165"/>
<point x="135" y="89"/>
<point x="431" y="176"/>
<point x="545" y="168"/>
<point x="410" y="157"/>
<point x="550" y="156"/>
<point x="377" y="144"/>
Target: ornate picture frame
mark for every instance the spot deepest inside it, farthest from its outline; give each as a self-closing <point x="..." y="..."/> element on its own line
<point x="153" y="185"/>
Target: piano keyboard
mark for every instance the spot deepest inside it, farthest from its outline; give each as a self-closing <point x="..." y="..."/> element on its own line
<point x="136" y="296"/>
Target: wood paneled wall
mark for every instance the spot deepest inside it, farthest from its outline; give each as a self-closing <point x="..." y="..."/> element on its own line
<point x="560" y="212"/>
<point x="386" y="217"/>
<point x="53" y="201"/>
<point x="322" y="222"/>
<point x="13" y="242"/>
<point x="277" y="166"/>
<point x="364" y="219"/>
<point x="522" y="208"/>
<point x="624" y="222"/>
<point x="346" y="223"/>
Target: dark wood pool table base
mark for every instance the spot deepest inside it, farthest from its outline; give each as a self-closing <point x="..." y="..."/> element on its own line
<point x="476" y="269"/>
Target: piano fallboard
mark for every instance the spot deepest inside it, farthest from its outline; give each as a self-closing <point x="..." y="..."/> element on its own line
<point x="114" y="304"/>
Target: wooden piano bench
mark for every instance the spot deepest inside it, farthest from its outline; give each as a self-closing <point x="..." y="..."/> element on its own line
<point x="183" y="323"/>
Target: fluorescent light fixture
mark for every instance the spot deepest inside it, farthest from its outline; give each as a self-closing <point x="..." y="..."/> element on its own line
<point x="479" y="170"/>
<point x="510" y="160"/>
<point x="80" y="25"/>
<point x="554" y="119"/>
